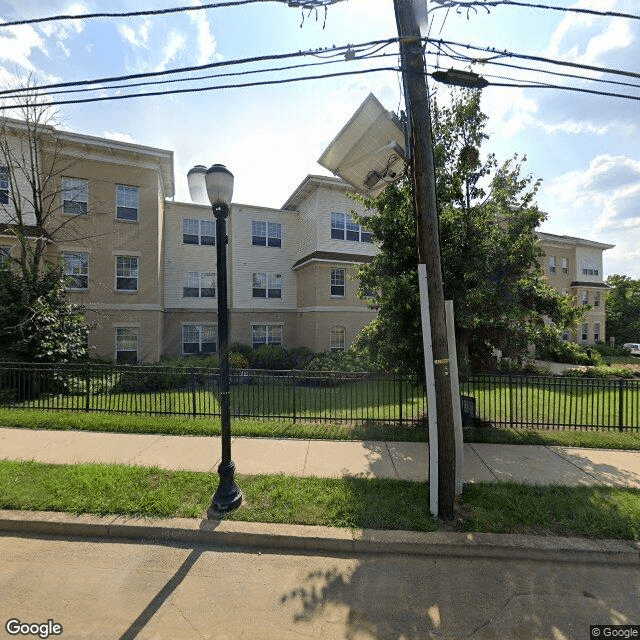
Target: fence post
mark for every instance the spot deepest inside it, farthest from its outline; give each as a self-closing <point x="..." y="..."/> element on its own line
<point x="87" y="401"/>
<point x="400" y="379"/>
<point x="621" y="404"/>
<point x="192" y="380"/>
<point x="510" y="402"/>
<point x="293" y="376"/>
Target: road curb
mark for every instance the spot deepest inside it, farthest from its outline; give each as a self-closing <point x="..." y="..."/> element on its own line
<point x="303" y="538"/>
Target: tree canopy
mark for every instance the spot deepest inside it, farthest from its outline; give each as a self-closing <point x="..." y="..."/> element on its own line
<point x="623" y="309"/>
<point x="489" y="251"/>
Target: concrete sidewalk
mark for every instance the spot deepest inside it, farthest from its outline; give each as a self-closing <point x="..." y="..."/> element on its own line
<point x="528" y="464"/>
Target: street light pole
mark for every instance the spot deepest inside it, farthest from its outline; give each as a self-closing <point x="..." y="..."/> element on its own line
<point x="219" y="187"/>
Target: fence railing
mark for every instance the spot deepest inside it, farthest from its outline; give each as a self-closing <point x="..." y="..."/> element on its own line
<point x="500" y="400"/>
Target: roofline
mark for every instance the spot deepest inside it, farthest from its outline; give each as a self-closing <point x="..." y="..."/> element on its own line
<point x="312" y="180"/>
<point x="572" y="240"/>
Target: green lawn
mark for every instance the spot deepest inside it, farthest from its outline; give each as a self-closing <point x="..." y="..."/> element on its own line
<point x="598" y="512"/>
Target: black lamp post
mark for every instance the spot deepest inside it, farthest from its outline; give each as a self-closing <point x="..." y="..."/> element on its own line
<point x="218" y="182"/>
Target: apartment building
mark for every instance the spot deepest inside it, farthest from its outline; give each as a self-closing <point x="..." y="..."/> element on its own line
<point x="144" y="266"/>
<point x="573" y="266"/>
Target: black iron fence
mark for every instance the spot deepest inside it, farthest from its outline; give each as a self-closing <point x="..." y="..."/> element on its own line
<point x="510" y="401"/>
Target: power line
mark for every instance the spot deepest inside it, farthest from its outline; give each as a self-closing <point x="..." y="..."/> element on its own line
<point x="132" y="14"/>
<point x="212" y="65"/>
<point x="565" y="88"/>
<point x="485" y="4"/>
<point x="200" y="89"/>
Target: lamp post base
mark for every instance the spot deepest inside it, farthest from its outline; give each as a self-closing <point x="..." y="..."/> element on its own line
<point x="228" y="495"/>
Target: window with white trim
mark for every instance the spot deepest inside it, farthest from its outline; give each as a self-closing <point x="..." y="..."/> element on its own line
<point x="566" y="336"/>
<point x="337" y="282"/>
<point x="267" y="285"/>
<point x="266" y="234"/>
<point x="199" y="339"/>
<point x="344" y="228"/>
<point x="590" y="269"/>
<point x="127" y="202"/>
<point x="596" y="298"/>
<point x="126" y="273"/>
<point x="75" y="267"/>
<point x="565" y="265"/>
<point x="198" y="231"/>
<point x="127" y="340"/>
<point x="266" y="334"/>
<point x="4" y="185"/>
<point x="585" y="298"/>
<point x="5" y="257"/>
<point x="75" y="196"/>
<point x="337" y="340"/>
<point x="199" y="285"/>
<point x="596" y="331"/>
<point x="552" y="264"/>
<point x="584" y="335"/>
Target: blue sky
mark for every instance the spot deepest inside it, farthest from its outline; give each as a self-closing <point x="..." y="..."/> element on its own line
<point x="585" y="148"/>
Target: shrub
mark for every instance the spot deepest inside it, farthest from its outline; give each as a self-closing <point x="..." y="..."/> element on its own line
<point x="151" y="378"/>
<point x="268" y="356"/>
<point x="299" y="357"/>
<point x="351" y="361"/>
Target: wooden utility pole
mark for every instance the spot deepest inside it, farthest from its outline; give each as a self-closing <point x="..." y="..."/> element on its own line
<point x="426" y="214"/>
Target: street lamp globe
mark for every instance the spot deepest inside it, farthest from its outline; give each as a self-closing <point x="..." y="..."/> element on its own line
<point x="219" y="182"/>
<point x="197" y="186"/>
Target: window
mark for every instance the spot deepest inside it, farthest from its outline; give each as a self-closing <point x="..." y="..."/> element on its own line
<point x="565" y="265"/>
<point x="344" y="228"/>
<point x="75" y="196"/>
<point x="337" y="282"/>
<point x="585" y="297"/>
<point x="127" y="202"/>
<point x="199" y="232"/>
<point x="566" y="336"/>
<point x="267" y="285"/>
<point x="596" y="331"/>
<point x="76" y="270"/>
<point x="552" y="264"/>
<point x="5" y="257"/>
<point x="266" y="233"/>
<point x="126" y="345"/>
<point x="126" y="273"/>
<point x="596" y="298"/>
<point x="584" y="336"/>
<point x="199" y="339"/>
<point x="4" y="185"/>
<point x="337" y="342"/>
<point x="199" y="285"/>
<point x="266" y="334"/>
<point x="590" y="269"/>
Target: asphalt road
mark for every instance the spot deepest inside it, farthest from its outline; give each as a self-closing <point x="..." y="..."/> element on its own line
<point x="156" y="589"/>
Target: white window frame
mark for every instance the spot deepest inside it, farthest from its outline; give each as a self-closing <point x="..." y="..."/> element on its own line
<point x="585" y="298"/>
<point x="126" y="269"/>
<point x="127" y="337"/>
<point x="584" y="332"/>
<point x="565" y="265"/>
<point x="596" y="332"/>
<point x="195" y="283"/>
<point x="596" y="299"/>
<point x="266" y="234"/>
<point x="198" y="334"/>
<point x="344" y="228"/>
<point x="338" y="339"/>
<point x="265" y="333"/>
<point x="338" y="280"/>
<point x="268" y="283"/>
<point x="127" y="203"/>
<point x="75" y="196"/>
<point x="590" y="269"/>
<point x="204" y="231"/>
<point x="76" y="267"/>
<point x="5" y="184"/>
<point x="552" y="264"/>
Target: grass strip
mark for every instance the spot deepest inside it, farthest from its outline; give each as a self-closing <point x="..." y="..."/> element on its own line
<point x="596" y="512"/>
<point x="114" y="423"/>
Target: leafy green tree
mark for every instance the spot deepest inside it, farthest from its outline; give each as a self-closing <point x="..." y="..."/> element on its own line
<point x="623" y="309"/>
<point x="36" y="321"/>
<point x="487" y="215"/>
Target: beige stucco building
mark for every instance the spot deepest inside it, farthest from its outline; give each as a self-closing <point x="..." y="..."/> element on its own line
<point x="144" y="266"/>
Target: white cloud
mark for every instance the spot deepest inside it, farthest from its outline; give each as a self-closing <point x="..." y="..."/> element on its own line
<point x="136" y="37"/>
<point x="175" y="43"/>
<point x="206" y="41"/>
<point x="121" y="137"/>
<point x="17" y="45"/>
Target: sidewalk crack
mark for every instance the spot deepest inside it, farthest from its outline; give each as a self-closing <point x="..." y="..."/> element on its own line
<point x="393" y="464"/>
<point x="546" y="446"/>
<point x="488" y="468"/>
<point x="306" y="457"/>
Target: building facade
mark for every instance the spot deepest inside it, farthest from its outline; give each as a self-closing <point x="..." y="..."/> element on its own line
<point x="144" y="266"/>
